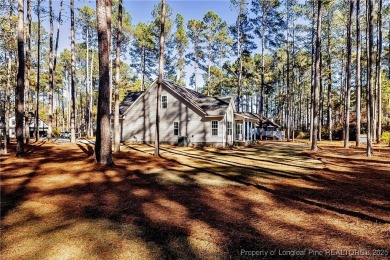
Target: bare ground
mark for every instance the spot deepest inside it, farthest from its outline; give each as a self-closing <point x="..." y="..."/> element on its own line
<point x="209" y="203"/>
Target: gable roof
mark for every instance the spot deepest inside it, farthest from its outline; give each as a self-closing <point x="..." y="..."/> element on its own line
<point x="187" y="94"/>
<point x="130" y="98"/>
<point x="209" y="106"/>
<point x="214" y="106"/>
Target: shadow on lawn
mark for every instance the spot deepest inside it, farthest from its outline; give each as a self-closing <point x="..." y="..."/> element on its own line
<point x="183" y="219"/>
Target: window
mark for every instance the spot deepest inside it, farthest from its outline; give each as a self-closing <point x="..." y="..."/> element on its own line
<point x="175" y="128"/>
<point x="164" y="101"/>
<point x="214" y="127"/>
<point x="238" y="129"/>
<point x="13" y="122"/>
<point x="229" y="128"/>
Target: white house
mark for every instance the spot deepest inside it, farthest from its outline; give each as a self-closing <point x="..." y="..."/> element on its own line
<point x="185" y="116"/>
<point x="43" y="127"/>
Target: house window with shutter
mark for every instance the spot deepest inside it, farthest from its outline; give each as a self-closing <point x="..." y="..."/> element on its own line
<point x="229" y="128"/>
<point x="164" y="101"/>
<point x="214" y="128"/>
<point x="175" y="128"/>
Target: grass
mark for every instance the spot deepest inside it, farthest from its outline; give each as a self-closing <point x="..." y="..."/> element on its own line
<point x="208" y="203"/>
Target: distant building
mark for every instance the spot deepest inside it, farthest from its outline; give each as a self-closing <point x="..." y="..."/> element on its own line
<point x="43" y="127"/>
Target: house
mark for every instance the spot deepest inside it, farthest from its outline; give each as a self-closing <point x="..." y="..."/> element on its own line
<point x="271" y="130"/>
<point x="186" y="117"/>
<point x="43" y="127"/>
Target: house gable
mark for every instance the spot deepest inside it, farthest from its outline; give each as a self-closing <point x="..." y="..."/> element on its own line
<point x="188" y="113"/>
<point x="167" y="86"/>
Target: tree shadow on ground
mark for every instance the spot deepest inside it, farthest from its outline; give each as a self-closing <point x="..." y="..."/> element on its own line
<point x="170" y="211"/>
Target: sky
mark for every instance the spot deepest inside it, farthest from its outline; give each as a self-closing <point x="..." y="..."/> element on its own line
<point x="189" y="9"/>
<point x="141" y="11"/>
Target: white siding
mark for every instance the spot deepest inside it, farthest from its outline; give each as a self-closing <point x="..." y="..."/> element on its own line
<point x="139" y="124"/>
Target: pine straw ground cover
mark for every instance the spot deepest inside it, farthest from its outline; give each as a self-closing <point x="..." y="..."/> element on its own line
<point x="196" y="203"/>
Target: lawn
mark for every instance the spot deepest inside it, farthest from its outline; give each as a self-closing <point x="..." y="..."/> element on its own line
<point x="273" y="199"/>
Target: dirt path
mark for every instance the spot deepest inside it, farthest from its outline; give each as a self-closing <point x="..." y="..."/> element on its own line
<point x="194" y="203"/>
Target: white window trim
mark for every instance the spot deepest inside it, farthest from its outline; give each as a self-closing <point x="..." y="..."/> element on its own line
<point x="178" y="128"/>
<point x="229" y="133"/>
<point x="162" y="101"/>
<point x="212" y="128"/>
<point x="238" y="128"/>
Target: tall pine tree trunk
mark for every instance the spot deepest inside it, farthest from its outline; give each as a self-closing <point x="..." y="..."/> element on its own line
<point x="143" y="68"/>
<point x="88" y="96"/>
<point x="38" y="73"/>
<point x="288" y="115"/>
<point x="321" y="104"/>
<point x="160" y="79"/>
<point x="261" y="97"/>
<point x="370" y="83"/>
<point x="348" y="75"/>
<point x="56" y="49"/>
<point x="19" y="94"/>
<point x="108" y="17"/>
<point x="317" y="79"/>
<point x="329" y="104"/>
<point x="72" y="76"/>
<point x="28" y="67"/>
<point x="8" y="89"/>
<point x="91" y="96"/>
<point x="103" y="153"/>
<point x="51" y="73"/>
<point x="358" y="75"/>
<point x="196" y="64"/>
<point x="312" y="70"/>
<point x="240" y="62"/>
<point x="117" y="136"/>
<point x="379" y="76"/>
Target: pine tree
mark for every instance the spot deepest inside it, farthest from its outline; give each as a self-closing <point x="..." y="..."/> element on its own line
<point x="160" y="78"/>
<point x="348" y="75"/>
<point x="195" y="29"/>
<point x="103" y="153"/>
<point x="181" y="42"/>
<point x="358" y="74"/>
<point x="117" y="80"/>
<point x="316" y="91"/>
<point x="73" y="76"/>
<point x="19" y="93"/>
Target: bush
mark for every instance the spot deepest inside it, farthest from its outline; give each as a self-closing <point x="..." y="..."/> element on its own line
<point x="385" y="137"/>
<point x="56" y="132"/>
<point x="302" y="135"/>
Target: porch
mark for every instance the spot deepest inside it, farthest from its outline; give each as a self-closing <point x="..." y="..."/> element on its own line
<point x="273" y="132"/>
<point x="246" y="128"/>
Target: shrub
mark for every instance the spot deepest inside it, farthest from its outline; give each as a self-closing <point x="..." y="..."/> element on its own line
<point x="302" y="135"/>
<point x="56" y="132"/>
<point x="385" y="137"/>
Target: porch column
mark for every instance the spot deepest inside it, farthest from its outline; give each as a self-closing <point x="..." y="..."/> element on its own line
<point x="233" y="130"/>
<point x="250" y="131"/>
<point x="243" y="130"/>
<point x="254" y="132"/>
